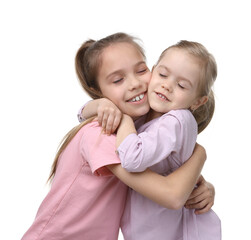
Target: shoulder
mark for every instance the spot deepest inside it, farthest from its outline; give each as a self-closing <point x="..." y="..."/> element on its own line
<point x="92" y="126"/>
<point x="92" y="135"/>
<point x="91" y="130"/>
<point x="182" y="118"/>
<point x="98" y="149"/>
<point x="181" y="115"/>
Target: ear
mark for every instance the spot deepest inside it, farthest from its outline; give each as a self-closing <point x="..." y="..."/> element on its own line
<point x="199" y="102"/>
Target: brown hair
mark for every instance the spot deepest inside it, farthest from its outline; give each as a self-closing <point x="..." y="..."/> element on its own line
<point x="88" y="61"/>
<point x="204" y="113"/>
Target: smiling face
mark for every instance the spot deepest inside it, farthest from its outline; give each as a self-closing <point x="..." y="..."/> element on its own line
<point x="124" y="77"/>
<point x="174" y="83"/>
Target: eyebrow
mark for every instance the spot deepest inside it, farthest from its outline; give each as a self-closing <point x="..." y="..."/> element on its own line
<point x="118" y="71"/>
<point x="180" y="77"/>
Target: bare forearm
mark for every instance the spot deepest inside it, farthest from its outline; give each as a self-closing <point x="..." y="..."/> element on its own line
<point x="90" y="109"/>
<point x="149" y="184"/>
<point x="126" y="127"/>
<point x="171" y="191"/>
<point x="186" y="176"/>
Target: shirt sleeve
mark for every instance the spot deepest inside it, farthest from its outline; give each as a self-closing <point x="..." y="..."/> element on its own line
<point x="167" y="136"/>
<point x="98" y="149"/>
<point x="79" y="115"/>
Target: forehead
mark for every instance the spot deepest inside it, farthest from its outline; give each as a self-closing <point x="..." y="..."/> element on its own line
<point x="123" y="51"/>
<point x="179" y="55"/>
<point x="180" y="59"/>
<point x="119" y="56"/>
<point x="181" y="64"/>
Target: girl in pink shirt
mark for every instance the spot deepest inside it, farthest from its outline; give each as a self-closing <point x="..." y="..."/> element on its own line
<point x="86" y="199"/>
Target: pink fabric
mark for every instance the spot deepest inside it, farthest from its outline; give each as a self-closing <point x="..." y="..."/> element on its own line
<point x="85" y="201"/>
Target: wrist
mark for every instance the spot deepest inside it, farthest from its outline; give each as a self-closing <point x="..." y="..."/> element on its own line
<point x="80" y="116"/>
<point x="103" y="101"/>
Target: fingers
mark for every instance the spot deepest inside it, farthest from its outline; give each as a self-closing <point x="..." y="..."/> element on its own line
<point x="196" y="192"/>
<point x="109" y="125"/>
<point x="203" y="210"/>
<point x="205" y="189"/>
<point x="116" y="122"/>
<point x="109" y="119"/>
<point x="197" y="199"/>
<point x="199" y="204"/>
<point x="202" y="198"/>
<point x="205" y="197"/>
<point x="101" y="118"/>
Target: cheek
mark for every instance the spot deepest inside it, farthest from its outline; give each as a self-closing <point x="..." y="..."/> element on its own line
<point x="186" y="101"/>
<point x="155" y="80"/>
<point x="116" y="96"/>
<point x="103" y="88"/>
<point x="182" y="98"/>
<point x="106" y="93"/>
<point x="147" y="78"/>
<point x="152" y="82"/>
<point x="150" y="85"/>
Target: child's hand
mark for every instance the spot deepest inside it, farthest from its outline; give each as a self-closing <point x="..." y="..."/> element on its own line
<point x="202" y="197"/>
<point x="109" y="115"/>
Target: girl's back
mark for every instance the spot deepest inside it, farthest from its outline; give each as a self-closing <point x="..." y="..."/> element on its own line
<point x="85" y="201"/>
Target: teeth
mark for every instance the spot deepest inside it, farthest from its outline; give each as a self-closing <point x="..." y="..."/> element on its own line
<point x="160" y="95"/>
<point x="137" y="98"/>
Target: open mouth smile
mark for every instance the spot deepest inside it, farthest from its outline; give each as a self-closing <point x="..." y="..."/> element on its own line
<point x="162" y="96"/>
<point x="137" y="98"/>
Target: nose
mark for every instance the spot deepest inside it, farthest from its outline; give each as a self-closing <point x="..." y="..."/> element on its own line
<point x="134" y="83"/>
<point x="167" y="85"/>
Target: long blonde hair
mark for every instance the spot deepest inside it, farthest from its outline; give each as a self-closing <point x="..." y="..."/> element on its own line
<point x="204" y="113"/>
<point x="88" y="61"/>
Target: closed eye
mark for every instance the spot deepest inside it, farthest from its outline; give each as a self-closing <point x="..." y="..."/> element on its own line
<point x="181" y="86"/>
<point x="163" y="75"/>
<point x="142" y="71"/>
<point x="118" y="80"/>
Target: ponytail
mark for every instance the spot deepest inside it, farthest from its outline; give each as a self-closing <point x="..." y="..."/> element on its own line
<point x="86" y="65"/>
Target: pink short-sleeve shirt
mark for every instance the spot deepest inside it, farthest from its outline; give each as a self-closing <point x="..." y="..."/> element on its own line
<point x="86" y="200"/>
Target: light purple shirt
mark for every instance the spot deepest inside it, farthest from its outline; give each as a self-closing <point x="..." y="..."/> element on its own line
<point x="163" y="144"/>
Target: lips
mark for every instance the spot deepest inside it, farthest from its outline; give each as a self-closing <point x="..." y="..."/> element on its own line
<point x="162" y="96"/>
<point x="137" y="98"/>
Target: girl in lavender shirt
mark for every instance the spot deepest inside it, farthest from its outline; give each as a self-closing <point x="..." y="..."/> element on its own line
<point x="182" y="104"/>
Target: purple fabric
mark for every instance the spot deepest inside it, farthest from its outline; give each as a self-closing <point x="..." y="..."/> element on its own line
<point x="163" y="144"/>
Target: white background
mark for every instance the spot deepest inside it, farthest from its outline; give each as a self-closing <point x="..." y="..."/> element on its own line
<point x="40" y="94"/>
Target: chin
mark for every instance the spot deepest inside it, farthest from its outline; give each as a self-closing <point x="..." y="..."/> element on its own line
<point x="140" y="113"/>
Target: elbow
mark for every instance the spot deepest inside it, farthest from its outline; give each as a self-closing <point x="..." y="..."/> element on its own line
<point x="175" y="202"/>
